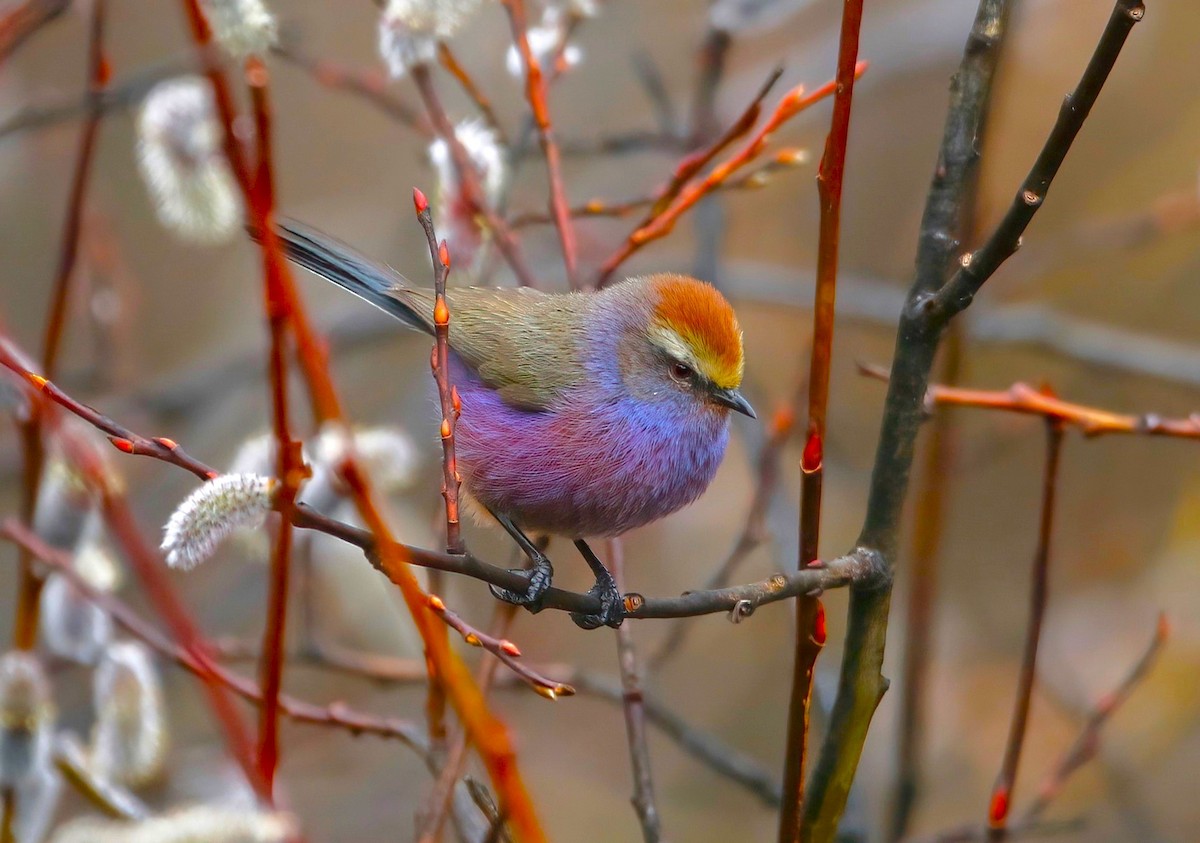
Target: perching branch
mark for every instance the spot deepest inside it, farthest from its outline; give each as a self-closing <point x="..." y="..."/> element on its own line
<point x="742" y="600"/>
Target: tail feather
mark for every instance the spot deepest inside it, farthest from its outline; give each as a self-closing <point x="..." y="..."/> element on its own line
<point x="345" y="266"/>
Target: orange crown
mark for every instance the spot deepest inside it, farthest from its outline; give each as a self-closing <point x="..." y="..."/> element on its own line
<point x="704" y="320"/>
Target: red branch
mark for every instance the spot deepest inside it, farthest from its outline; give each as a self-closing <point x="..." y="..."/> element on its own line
<point x="810" y="614"/>
<point x="535" y="92"/>
<point x="440" y="363"/>
<point x="663" y="223"/>
<point x="289" y="464"/>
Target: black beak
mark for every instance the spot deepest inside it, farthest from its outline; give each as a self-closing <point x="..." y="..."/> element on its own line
<point x="734" y="400"/>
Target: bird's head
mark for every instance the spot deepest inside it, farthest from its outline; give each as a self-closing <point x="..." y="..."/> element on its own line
<point x="691" y="348"/>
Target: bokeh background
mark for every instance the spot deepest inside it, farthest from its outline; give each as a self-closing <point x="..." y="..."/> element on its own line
<point x="170" y="338"/>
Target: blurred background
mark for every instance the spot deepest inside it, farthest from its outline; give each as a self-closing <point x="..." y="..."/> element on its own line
<point x="1102" y="302"/>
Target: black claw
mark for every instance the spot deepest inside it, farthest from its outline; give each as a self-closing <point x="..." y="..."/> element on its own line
<point x="612" y="605"/>
<point x="538" y="577"/>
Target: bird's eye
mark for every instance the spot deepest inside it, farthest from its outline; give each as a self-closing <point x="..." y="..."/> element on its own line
<point x="681" y="371"/>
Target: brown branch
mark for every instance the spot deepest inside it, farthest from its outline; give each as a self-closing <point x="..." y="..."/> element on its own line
<point x="535" y="93"/>
<point x="1039" y="588"/>
<point x="1023" y="398"/>
<point x="633" y="704"/>
<point x="504" y="650"/>
<point x="810" y="613"/>
<point x="929" y="307"/>
<point x="663" y="222"/>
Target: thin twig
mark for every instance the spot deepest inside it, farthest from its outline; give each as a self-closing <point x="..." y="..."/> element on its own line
<point x="1023" y="398"/>
<point x="23" y="19"/>
<point x="439" y="254"/>
<point x="927" y="310"/>
<point x="810" y="613"/>
<point x="980" y="265"/>
<point x="369" y="85"/>
<point x="633" y="704"/>
<point x="1081" y="751"/>
<point x="998" y="806"/>
<point x="450" y="62"/>
<point x="441" y="797"/>
<point x="1085" y="745"/>
<point x="535" y="93"/>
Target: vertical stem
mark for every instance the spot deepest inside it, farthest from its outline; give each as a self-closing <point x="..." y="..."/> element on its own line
<point x="535" y="92"/>
<point x="634" y="706"/>
<point x="30" y="586"/>
<point x="1038" y="594"/>
<point x="810" y="615"/>
<point x="289" y="464"/>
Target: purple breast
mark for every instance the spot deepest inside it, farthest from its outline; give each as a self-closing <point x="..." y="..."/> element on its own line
<point x="590" y="466"/>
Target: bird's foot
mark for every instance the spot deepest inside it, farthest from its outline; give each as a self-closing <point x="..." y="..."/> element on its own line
<point x="612" y="605"/>
<point x="538" y="577"/>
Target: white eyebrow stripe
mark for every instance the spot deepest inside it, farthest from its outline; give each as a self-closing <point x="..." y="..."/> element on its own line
<point x="673" y="344"/>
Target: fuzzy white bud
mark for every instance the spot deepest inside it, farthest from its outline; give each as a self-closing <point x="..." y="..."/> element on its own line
<point x="183" y="164"/>
<point x="545" y="40"/>
<point x="387" y="454"/>
<point x="72" y="625"/>
<point x="130" y="736"/>
<point x="198" y="824"/>
<point x="747" y="17"/>
<point x="242" y="27"/>
<point x="453" y="218"/>
<point x="37" y="800"/>
<point x="26" y="718"/>
<point x="212" y="512"/>
<point x="409" y="30"/>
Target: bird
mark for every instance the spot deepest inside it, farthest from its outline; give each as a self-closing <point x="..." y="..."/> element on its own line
<point x="583" y="414"/>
